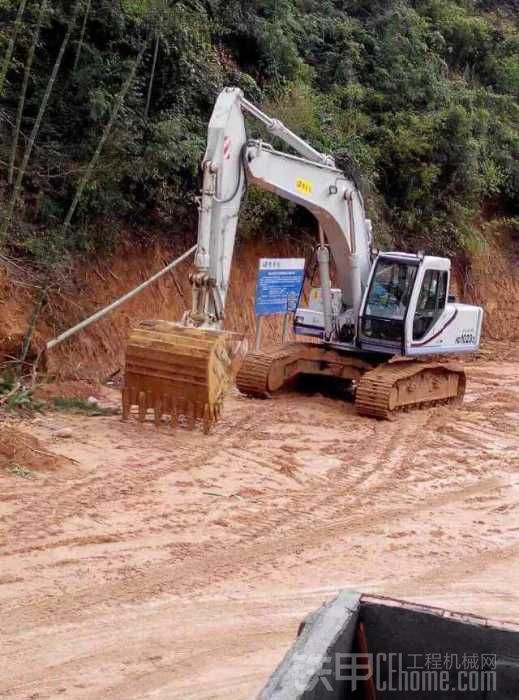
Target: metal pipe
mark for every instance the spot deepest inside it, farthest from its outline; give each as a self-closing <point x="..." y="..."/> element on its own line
<point x="259" y="329"/>
<point x="103" y="312"/>
<point x="277" y="128"/>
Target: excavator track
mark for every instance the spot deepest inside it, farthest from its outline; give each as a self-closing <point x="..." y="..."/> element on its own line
<point x="263" y="373"/>
<point x="382" y="391"/>
<point x="253" y="377"/>
<point x="397" y="386"/>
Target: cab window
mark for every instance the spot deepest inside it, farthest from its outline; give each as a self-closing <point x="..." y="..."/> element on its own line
<point x="390" y="290"/>
<point x="431" y="302"/>
<point x="388" y="298"/>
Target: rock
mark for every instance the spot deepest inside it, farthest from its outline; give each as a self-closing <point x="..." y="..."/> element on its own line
<point x="64" y="433"/>
<point x="92" y="401"/>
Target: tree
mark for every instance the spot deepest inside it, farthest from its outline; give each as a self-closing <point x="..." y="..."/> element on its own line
<point x="35" y="129"/>
<point x="106" y="132"/>
<point x="152" y="76"/>
<point x="23" y="93"/>
<point x="10" y="46"/>
<point x="81" y="36"/>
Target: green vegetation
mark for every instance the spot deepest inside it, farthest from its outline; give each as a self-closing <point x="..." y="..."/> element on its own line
<point x="15" y="396"/>
<point x="105" y="104"/>
<point x="79" y="405"/>
<point x="21" y="471"/>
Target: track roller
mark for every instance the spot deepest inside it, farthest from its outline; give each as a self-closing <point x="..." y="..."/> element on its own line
<point x="263" y="373"/>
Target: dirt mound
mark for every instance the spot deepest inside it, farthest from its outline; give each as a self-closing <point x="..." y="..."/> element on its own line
<point x="22" y="454"/>
<point x="16" y="304"/>
<point x="66" y="389"/>
<point x="98" y="351"/>
<point x="493" y="282"/>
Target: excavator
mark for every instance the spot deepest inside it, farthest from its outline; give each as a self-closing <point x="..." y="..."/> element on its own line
<point x="371" y="323"/>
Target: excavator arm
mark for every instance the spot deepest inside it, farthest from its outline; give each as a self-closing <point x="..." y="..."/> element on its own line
<point x="310" y="179"/>
<point x="184" y="369"/>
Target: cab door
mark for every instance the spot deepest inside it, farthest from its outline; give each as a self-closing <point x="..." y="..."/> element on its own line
<point x="429" y="313"/>
<point x="384" y="310"/>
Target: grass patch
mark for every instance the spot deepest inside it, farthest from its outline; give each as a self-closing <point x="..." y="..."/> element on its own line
<point x="79" y="405"/>
<point x="21" y="471"/>
<point x="15" y="396"/>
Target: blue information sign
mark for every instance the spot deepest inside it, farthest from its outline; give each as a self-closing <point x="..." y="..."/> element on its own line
<point x="279" y="285"/>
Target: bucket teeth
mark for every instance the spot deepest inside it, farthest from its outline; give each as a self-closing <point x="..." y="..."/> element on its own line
<point x="174" y="414"/>
<point x="179" y="372"/>
<point x="143" y="406"/>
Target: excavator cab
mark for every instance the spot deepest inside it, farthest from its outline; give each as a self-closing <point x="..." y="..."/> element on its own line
<point x="387" y="301"/>
<point x="407" y="309"/>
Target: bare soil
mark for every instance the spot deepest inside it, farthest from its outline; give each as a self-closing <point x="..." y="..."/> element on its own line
<point x="169" y="564"/>
<point x="24" y="454"/>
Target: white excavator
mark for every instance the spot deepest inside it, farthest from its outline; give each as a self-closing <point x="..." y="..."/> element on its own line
<point x="370" y="323"/>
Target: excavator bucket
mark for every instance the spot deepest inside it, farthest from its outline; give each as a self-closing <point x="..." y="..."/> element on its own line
<point x="180" y="372"/>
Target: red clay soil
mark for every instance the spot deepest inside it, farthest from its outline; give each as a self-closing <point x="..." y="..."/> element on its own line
<point x="169" y="564"/>
<point x="99" y="350"/>
<point x="68" y="389"/>
<point x="173" y="565"/>
<point x="24" y="452"/>
<point x="493" y="281"/>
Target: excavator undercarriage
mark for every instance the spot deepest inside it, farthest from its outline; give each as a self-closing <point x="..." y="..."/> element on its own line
<point x="381" y="389"/>
<point x="184" y="373"/>
<point x="264" y="373"/>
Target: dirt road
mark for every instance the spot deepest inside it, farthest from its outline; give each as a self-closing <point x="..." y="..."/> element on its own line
<point x="172" y="565"/>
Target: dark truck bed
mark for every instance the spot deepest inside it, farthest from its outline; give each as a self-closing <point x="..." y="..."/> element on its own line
<point x="375" y="648"/>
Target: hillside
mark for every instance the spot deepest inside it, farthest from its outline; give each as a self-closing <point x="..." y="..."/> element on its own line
<point x="104" y="112"/>
<point x="417" y="99"/>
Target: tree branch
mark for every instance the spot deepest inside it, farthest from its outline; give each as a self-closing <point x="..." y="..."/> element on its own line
<point x="34" y="133"/>
<point x="10" y="46"/>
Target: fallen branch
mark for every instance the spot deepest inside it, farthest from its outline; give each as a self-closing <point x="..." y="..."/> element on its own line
<point x="177" y="285"/>
<point x="5" y="398"/>
<point x="101" y="277"/>
<point x="112" y="274"/>
<point x="46" y="454"/>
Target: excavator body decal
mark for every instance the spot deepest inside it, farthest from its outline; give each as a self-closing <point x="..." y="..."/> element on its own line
<point x="304" y="186"/>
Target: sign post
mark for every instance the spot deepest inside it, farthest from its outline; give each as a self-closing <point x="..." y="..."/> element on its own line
<point x="278" y="288"/>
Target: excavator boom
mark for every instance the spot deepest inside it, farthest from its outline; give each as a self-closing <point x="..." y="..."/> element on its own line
<point x="183" y="369"/>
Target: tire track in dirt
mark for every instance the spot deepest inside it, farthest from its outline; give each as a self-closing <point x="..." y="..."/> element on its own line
<point x="286" y="493"/>
<point x="222" y="564"/>
<point x="90" y="491"/>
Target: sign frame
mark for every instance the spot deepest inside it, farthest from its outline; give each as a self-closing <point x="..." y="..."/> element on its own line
<point x="278" y="285"/>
